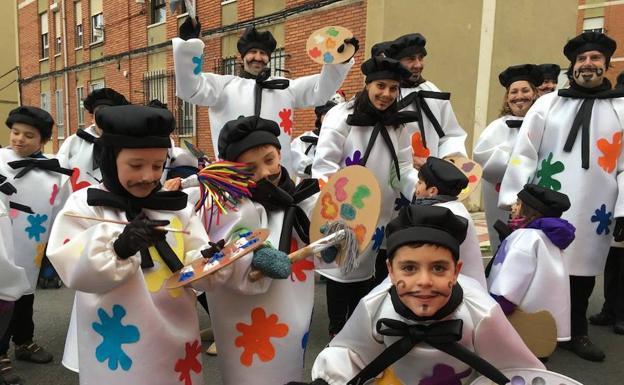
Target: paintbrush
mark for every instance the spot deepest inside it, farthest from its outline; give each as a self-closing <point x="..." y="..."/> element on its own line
<point x="171" y="229"/>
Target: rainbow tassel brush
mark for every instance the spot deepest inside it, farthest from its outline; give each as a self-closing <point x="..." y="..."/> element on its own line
<point x="225" y="182"/>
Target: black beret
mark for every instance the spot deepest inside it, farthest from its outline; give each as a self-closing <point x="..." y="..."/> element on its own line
<point x="322" y="110"/>
<point x="134" y="126"/>
<point x="33" y="116"/>
<point x="104" y="97"/>
<point x="380" y="48"/>
<point x="238" y="136"/>
<point x="380" y="67"/>
<point x="251" y="38"/>
<point x="529" y="72"/>
<point x="444" y="175"/>
<point x="589" y="41"/>
<point x="157" y="103"/>
<point x="548" y="202"/>
<point x="550" y="71"/>
<point x="426" y="224"/>
<point x="406" y="45"/>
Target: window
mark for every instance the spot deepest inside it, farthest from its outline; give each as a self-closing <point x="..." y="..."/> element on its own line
<point x="80" y="104"/>
<point x="45" y="38"/>
<point x="593" y="24"/>
<point x="159" y="11"/>
<point x="186" y="119"/>
<point x="78" y="28"/>
<point x="278" y="62"/>
<point x="97" y="28"/>
<point x="229" y="66"/>
<point x="58" y="42"/>
<point x="45" y="101"/>
<point x="96" y="85"/>
<point x="58" y="96"/>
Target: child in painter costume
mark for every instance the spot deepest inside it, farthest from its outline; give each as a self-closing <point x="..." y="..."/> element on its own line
<point x="261" y="327"/>
<point x="368" y="131"/>
<point x="429" y="324"/>
<point x="439" y="184"/>
<point x="41" y="188"/>
<point x="13" y="281"/>
<point x="529" y="272"/>
<point x="131" y="329"/>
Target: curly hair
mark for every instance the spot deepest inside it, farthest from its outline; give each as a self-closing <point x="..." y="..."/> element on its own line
<point x="505" y="109"/>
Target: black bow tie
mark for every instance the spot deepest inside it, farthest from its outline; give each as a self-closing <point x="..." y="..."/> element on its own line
<point x="420" y="105"/>
<point x="311" y="140"/>
<point x="442" y="335"/>
<point x="27" y="165"/>
<point x="262" y="82"/>
<point x="161" y="200"/>
<point x="380" y="121"/>
<point x="513" y="123"/>
<point x="82" y="134"/>
<point x="582" y="119"/>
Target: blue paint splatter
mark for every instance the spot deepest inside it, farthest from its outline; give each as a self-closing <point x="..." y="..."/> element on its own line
<point x="355" y="160"/>
<point x="400" y="202"/>
<point x="114" y="334"/>
<point x="378" y="237"/>
<point x="328" y="57"/>
<point x="603" y="218"/>
<point x="304" y="340"/>
<point x="347" y="212"/>
<point x="36" y="226"/>
<point x="198" y="61"/>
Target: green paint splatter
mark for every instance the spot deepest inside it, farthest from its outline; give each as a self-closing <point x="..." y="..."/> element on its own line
<point x="547" y="171"/>
<point x="360" y="193"/>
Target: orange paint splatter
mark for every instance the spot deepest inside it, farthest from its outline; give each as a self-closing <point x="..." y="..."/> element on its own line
<point x="255" y="338"/>
<point x="418" y="148"/>
<point x="329" y="210"/>
<point x="611" y="151"/>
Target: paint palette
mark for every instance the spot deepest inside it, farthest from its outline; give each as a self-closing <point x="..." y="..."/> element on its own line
<point x="530" y="377"/>
<point x="202" y="267"/>
<point x="471" y="169"/>
<point x="537" y="330"/>
<point x="351" y="195"/>
<point x="326" y="45"/>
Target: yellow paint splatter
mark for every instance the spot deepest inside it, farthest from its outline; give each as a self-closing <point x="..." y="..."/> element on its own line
<point x="388" y="378"/>
<point x="155" y="278"/>
<point x="40" y="252"/>
<point x="515" y="162"/>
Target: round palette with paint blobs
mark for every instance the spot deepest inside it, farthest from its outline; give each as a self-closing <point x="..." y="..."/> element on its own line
<point x="351" y="195"/>
<point x="326" y="45"/>
<point x="471" y="169"/>
<point x="529" y="377"/>
<point x="245" y="243"/>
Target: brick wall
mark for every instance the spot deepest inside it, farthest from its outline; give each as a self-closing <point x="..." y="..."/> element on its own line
<point x="125" y="26"/>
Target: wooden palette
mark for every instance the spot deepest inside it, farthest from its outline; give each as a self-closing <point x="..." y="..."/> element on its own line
<point x="203" y="267"/>
<point x="537" y="330"/>
<point x="471" y="169"/>
<point x="351" y="195"/>
<point x="324" y="43"/>
<point x="530" y="377"/>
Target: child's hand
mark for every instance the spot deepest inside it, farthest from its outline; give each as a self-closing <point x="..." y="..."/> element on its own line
<point x="419" y="162"/>
<point x="139" y="234"/>
<point x="174" y="184"/>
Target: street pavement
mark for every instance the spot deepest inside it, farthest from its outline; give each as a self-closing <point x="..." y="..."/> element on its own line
<point x="53" y="307"/>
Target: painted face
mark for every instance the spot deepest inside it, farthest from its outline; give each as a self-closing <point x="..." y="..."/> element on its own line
<point x="25" y="139"/>
<point x="255" y="60"/>
<point x="520" y="97"/>
<point x="589" y="69"/>
<point x="382" y="93"/>
<point x="422" y="191"/>
<point x="424" y="277"/>
<point x="415" y="64"/>
<point x="139" y="169"/>
<point x="547" y="86"/>
<point x="264" y="162"/>
<point x="515" y="209"/>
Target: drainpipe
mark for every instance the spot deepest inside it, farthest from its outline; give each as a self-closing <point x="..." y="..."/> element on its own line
<point x="65" y="65"/>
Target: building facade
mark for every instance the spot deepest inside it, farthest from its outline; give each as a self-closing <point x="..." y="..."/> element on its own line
<point x="9" y="98"/>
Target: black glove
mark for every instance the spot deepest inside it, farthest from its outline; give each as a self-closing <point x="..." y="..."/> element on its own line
<point x="618" y="230"/>
<point x="318" y="381"/>
<point x="214" y="248"/>
<point x="354" y="42"/>
<point x="139" y="234"/>
<point x="188" y="30"/>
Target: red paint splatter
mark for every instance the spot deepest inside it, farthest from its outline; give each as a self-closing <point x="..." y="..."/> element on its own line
<point x="55" y="190"/>
<point x="286" y="122"/>
<point x="74" y="180"/>
<point x="189" y="363"/>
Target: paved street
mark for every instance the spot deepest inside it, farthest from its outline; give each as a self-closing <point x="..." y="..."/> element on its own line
<point x="52" y="309"/>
